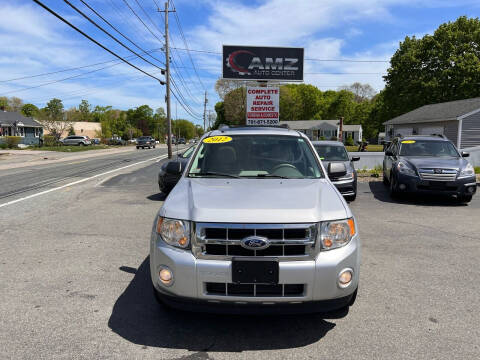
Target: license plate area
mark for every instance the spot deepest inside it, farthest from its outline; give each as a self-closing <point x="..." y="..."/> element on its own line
<point x="255" y="271"/>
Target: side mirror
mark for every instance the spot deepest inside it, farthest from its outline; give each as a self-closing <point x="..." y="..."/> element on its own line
<point x="389" y="153"/>
<point x="465" y="154"/>
<point x="336" y="170"/>
<point x="355" y="158"/>
<point x="174" y="168"/>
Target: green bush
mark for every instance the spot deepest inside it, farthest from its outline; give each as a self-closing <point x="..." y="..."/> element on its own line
<point x="49" y="140"/>
<point x="349" y="141"/>
<point x="334" y="138"/>
<point x="477" y="169"/>
<point x="12" y="141"/>
<point x="3" y="146"/>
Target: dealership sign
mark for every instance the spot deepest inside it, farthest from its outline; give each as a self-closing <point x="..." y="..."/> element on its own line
<point x="262" y="63"/>
<point x="263" y="105"/>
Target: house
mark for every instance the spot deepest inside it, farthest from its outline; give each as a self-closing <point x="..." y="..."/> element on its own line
<point x="458" y="120"/>
<point x="15" y="124"/>
<point x="85" y="128"/>
<point x="326" y="129"/>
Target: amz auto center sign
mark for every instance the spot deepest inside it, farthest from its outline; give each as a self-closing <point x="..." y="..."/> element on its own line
<point x="263" y="105"/>
<point x="262" y="63"/>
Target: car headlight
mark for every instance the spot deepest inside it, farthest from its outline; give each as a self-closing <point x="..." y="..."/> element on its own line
<point x="405" y="169"/>
<point x="335" y="234"/>
<point x="174" y="232"/>
<point x="467" y="171"/>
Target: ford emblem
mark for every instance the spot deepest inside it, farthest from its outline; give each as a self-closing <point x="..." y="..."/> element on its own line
<point x="255" y="243"/>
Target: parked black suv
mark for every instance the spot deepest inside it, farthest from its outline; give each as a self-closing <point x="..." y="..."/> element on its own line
<point x="430" y="164"/>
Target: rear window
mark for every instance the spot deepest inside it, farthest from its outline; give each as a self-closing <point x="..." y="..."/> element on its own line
<point x="331" y="152"/>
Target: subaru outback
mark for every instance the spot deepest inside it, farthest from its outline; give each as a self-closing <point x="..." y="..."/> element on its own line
<point x="428" y="164"/>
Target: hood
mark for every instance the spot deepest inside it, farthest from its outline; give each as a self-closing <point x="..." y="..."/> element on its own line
<point x="435" y="162"/>
<point x="255" y="201"/>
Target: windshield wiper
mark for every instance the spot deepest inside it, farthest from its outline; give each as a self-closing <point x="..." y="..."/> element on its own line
<point x="272" y="176"/>
<point x="212" y="173"/>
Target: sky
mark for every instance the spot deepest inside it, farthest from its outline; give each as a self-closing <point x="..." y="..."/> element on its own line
<point x="34" y="42"/>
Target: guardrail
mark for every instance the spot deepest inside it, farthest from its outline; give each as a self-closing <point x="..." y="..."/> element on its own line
<point x="368" y="160"/>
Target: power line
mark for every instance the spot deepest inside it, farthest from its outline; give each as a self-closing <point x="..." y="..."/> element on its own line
<point x="118" y="31"/>
<point x="93" y="40"/>
<point x="60" y="80"/>
<point x="140" y="19"/>
<point x="186" y="44"/>
<point x="110" y="35"/>
<point x="308" y="59"/>
<point x="72" y="69"/>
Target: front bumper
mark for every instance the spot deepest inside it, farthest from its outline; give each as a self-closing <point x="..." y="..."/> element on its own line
<point x="346" y="187"/>
<point x="318" y="275"/>
<point x="462" y="186"/>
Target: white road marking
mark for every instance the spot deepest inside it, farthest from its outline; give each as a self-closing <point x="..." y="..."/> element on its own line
<point x="82" y="180"/>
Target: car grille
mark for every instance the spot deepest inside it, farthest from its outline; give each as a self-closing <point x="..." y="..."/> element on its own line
<point x="224" y="240"/>
<point x="254" y="290"/>
<point x="438" y="174"/>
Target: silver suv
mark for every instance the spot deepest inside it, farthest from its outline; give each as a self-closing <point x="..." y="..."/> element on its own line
<point x="254" y="224"/>
<point x="76" y="140"/>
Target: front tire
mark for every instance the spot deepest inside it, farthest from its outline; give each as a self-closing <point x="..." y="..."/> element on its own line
<point x="393" y="187"/>
<point x="351" y="198"/>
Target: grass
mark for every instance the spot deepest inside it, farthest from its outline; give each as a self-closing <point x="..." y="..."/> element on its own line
<point x="70" y="148"/>
<point x="370" y="148"/>
<point x="477" y="169"/>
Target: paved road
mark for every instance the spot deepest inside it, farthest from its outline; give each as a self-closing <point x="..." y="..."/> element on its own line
<point x="20" y="182"/>
<point x="74" y="283"/>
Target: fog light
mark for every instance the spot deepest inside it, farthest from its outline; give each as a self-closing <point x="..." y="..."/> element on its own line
<point x="345" y="278"/>
<point x="402" y="186"/>
<point x="166" y="276"/>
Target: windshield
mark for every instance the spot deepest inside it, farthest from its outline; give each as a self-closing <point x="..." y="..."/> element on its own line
<point x="259" y="156"/>
<point x="188" y="152"/>
<point x="428" y="148"/>
<point x="144" y="138"/>
<point x="331" y="152"/>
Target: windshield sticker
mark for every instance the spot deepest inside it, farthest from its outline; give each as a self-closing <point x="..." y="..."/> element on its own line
<point x="408" y="142"/>
<point x="217" y="139"/>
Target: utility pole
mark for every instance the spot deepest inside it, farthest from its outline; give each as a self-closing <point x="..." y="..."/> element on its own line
<point x="205" y="111"/>
<point x="167" y="66"/>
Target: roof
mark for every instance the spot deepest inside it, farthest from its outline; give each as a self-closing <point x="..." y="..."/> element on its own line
<point x="253" y="130"/>
<point x="351" y="127"/>
<point x="424" y="137"/>
<point x="451" y="110"/>
<point x="7" y="118"/>
<point x="310" y="124"/>
<point x="328" y="142"/>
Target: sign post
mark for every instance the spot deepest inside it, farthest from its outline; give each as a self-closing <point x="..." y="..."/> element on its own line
<point x="263" y="106"/>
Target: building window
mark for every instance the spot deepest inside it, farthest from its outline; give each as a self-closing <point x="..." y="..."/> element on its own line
<point x="21" y="131"/>
<point x="37" y="132"/>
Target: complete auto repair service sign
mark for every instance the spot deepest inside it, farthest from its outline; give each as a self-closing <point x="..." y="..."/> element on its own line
<point x="263" y="105"/>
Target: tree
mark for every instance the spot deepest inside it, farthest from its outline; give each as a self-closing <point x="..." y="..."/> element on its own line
<point x="29" y="110"/>
<point x="85" y="109"/>
<point x="3" y="103"/>
<point x="234" y="104"/>
<point x="441" y="67"/>
<point x="15" y="104"/>
<point x="51" y="117"/>
<point x="54" y="109"/>
<point x="183" y="128"/>
<point x="362" y="92"/>
<point x="220" y="110"/>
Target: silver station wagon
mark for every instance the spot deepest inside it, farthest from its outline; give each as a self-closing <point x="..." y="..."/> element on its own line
<point x="255" y="225"/>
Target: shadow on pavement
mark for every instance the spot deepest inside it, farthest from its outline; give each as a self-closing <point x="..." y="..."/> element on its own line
<point x="160" y="196"/>
<point x="137" y="317"/>
<point x="381" y="192"/>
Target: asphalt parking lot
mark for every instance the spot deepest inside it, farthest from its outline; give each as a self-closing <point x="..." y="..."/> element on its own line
<point x="74" y="283"/>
